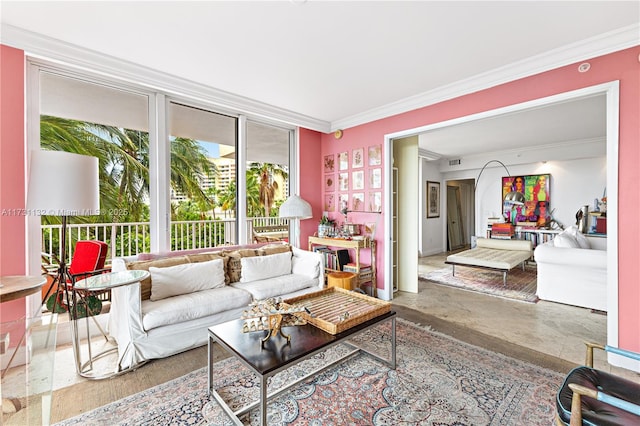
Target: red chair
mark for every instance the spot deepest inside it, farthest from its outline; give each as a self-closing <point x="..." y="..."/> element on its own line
<point x="88" y="258"/>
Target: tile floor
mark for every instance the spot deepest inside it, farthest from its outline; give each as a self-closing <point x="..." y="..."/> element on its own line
<point x="552" y="328"/>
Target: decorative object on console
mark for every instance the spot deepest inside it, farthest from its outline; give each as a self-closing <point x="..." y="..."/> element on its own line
<point x="271" y="315"/>
<point x="62" y="184"/>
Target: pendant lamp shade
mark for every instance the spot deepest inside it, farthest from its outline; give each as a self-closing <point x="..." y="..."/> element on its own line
<point x="295" y="208"/>
<point x="63" y="184"/>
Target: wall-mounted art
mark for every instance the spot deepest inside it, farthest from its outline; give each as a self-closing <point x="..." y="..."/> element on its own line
<point x="358" y="158"/>
<point x="343" y="181"/>
<point x="375" y="155"/>
<point x="358" y="180"/>
<point x="329" y="163"/>
<point x="329" y="183"/>
<point x="536" y="191"/>
<point x="375" y="201"/>
<point x="375" y="178"/>
<point x="433" y="199"/>
<point x="343" y="161"/>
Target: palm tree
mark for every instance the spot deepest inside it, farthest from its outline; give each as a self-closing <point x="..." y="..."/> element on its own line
<point x="227" y="196"/>
<point x="123" y="157"/>
<point x="266" y="173"/>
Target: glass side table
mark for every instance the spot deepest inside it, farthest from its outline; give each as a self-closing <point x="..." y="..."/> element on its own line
<point x="94" y="284"/>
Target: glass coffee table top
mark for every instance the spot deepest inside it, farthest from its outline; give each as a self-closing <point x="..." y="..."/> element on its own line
<point x="110" y="280"/>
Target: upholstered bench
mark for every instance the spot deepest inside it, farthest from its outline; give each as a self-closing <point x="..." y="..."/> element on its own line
<point x="495" y="254"/>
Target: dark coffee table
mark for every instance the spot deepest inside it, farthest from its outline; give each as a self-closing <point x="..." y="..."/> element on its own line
<point x="276" y="355"/>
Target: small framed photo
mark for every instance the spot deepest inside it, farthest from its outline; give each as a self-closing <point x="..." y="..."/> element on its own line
<point x="357" y="201"/>
<point x="375" y="201"/>
<point x="375" y="155"/>
<point x="358" y="158"/>
<point x="343" y="161"/>
<point x="375" y="178"/>
<point x="358" y="180"/>
<point x="329" y="163"/>
<point x="343" y="201"/>
<point x="343" y="181"/>
<point x="330" y="203"/>
<point x="329" y="183"/>
<point x="433" y="199"/>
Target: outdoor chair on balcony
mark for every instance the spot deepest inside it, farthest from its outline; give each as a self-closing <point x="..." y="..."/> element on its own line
<point x="594" y="397"/>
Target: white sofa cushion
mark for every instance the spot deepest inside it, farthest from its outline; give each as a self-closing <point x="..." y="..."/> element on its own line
<point x="186" y="278"/>
<point x="264" y="267"/>
<point x="277" y="286"/>
<point x="582" y="241"/>
<point x="191" y="306"/>
<point x="305" y="266"/>
<point x="565" y="240"/>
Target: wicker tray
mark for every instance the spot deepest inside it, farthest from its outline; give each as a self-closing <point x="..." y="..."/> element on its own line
<point x="329" y="307"/>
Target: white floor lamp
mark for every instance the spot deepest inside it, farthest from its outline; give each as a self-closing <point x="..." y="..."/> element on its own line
<point x="62" y="184"/>
<point x="297" y="209"/>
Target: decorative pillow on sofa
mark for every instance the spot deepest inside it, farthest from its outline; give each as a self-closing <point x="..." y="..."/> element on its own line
<point x="275" y="249"/>
<point x="144" y="265"/>
<point x="579" y="237"/>
<point x="186" y="278"/>
<point x="234" y="266"/>
<point x="566" y="240"/>
<point x="263" y="267"/>
<point x="305" y="267"/>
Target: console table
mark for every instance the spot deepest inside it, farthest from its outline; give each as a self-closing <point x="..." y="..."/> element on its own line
<point x="356" y="245"/>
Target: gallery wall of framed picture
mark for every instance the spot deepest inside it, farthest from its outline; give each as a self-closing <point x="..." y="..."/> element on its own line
<point x="353" y="180"/>
<point x="537" y="195"/>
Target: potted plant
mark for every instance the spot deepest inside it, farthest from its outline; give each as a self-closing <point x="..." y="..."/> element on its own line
<point x="325" y="227"/>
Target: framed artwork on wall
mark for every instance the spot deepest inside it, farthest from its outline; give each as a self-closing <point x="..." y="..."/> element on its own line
<point x="343" y="201"/>
<point x="343" y="161"/>
<point x="358" y="180"/>
<point x="329" y="183"/>
<point x="433" y="199"/>
<point x="357" y="201"/>
<point x="375" y="201"/>
<point x="536" y="191"/>
<point x="330" y="203"/>
<point x="375" y="155"/>
<point x="358" y="158"/>
<point x="343" y="182"/>
<point x="329" y="163"/>
<point x="375" y="178"/>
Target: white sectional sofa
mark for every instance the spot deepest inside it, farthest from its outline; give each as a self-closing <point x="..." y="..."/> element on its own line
<point x="188" y="292"/>
<point x="572" y="269"/>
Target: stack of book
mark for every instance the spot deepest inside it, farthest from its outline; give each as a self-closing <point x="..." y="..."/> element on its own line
<point x="365" y="271"/>
<point x="502" y="231"/>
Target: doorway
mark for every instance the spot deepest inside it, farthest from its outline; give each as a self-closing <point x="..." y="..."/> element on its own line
<point x="455" y="228"/>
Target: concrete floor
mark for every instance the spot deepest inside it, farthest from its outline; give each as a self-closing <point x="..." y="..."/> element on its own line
<point x="551" y="328"/>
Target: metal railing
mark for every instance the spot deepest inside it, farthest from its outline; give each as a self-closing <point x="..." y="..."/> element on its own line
<point x="131" y="238"/>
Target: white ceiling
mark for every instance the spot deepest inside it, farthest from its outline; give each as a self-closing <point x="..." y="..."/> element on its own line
<point x="328" y="60"/>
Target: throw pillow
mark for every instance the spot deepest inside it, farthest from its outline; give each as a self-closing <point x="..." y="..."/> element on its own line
<point x="263" y="267"/>
<point x="144" y="265"/>
<point x="565" y="240"/>
<point x="579" y="237"/>
<point x="186" y="278"/>
<point x="305" y="267"/>
<point x="275" y="249"/>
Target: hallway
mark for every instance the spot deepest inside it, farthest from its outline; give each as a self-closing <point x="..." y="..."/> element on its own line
<point x="551" y="328"/>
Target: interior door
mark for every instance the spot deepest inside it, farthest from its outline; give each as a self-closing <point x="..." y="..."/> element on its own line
<point x="454" y="218"/>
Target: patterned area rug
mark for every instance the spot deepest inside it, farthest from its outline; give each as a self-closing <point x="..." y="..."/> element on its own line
<point x="438" y="381"/>
<point x="521" y="285"/>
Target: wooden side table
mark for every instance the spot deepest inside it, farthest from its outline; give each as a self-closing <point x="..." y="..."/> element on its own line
<point x="345" y="280"/>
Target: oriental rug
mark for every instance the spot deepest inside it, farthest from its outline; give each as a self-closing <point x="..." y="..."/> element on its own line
<point x="438" y="381"/>
<point x="521" y="285"/>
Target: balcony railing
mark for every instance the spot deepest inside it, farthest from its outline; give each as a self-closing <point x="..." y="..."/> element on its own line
<point x="131" y="238"/>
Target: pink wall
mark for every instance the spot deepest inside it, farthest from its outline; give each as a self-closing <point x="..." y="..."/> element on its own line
<point x="12" y="166"/>
<point x="623" y="66"/>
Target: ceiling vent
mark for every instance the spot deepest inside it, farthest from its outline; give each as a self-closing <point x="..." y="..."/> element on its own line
<point x="454" y="162"/>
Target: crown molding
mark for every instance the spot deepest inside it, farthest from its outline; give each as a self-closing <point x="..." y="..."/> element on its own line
<point x="69" y="55"/>
<point x="613" y="41"/>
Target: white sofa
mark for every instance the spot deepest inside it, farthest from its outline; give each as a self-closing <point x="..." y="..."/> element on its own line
<point x="145" y="329"/>
<point x="572" y="269"/>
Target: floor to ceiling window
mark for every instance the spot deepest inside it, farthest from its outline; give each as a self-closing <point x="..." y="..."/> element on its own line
<point x="169" y="167"/>
<point x="203" y="177"/>
<point x="111" y="124"/>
